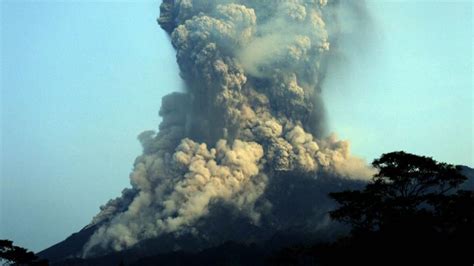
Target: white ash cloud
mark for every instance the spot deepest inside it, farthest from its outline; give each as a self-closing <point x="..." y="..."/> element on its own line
<point x="252" y="109"/>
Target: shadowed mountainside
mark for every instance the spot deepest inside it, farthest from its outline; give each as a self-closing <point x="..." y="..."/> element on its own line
<point x="299" y="217"/>
<point x="237" y="242"/>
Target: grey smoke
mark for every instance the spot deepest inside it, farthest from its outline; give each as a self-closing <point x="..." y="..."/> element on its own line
<point x="252" y="111"/>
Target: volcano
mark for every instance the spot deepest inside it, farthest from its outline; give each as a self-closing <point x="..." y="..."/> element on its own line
<point x="243" y="156"/>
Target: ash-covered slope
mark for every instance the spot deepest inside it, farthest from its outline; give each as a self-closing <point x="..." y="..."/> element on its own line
<point x="306" y="222"/>
<point x="243" y="153"/>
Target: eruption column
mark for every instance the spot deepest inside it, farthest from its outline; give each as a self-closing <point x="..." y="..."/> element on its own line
<point x="252" y="110"/>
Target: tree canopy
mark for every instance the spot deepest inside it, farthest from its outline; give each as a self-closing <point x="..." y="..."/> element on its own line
<point x="413" y="210"/>
<point x="407" y="188"/>
<point x="14" y="255"/>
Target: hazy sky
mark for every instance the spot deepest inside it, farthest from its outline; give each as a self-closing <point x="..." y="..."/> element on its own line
<point x="80" y="80"/>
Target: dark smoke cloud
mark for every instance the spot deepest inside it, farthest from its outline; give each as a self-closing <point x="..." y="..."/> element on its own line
<point x="252" y="112"/>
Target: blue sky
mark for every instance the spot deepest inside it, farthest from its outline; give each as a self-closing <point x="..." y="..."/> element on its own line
<point x="80" y="80"/>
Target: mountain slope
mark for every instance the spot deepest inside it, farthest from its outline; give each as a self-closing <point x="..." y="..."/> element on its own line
<point x="298" y="217"/>
<point x="299" y="214"/>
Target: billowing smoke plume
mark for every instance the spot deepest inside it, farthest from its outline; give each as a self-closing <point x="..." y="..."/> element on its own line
<point x="252" y="111"/>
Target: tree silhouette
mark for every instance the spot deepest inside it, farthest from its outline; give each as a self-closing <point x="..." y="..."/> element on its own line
<point x="412" y="212"/>
<point x="14" y="255"/>
<point x="412" y="209"/>
<point x="405" y="189"/>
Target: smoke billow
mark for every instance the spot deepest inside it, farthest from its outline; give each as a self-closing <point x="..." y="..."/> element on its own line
<point x="252" y="111"/>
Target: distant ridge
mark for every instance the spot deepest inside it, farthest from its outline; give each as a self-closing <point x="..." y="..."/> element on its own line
<point x="469" y="173"/>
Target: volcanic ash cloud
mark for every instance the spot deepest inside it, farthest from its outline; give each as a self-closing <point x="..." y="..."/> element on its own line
<point x="252" y="110"/>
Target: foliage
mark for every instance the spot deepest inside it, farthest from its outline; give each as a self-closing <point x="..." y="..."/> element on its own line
<point x="14" y="255"/>
<point x="412" y="212"/>
<point x="407" y="189"/>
